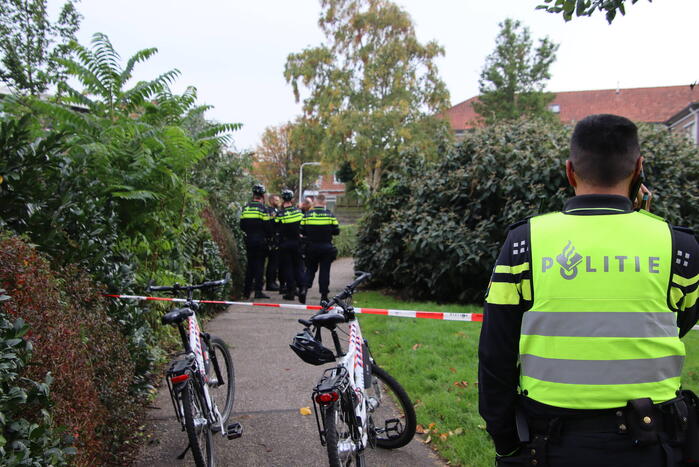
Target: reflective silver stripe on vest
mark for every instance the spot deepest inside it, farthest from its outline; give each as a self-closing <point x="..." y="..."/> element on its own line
<point x="599" y="324"/>
<point x="646" y="370"/>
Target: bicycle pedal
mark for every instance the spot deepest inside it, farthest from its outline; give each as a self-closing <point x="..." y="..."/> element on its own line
<point x="234" y="431"/>
<point x="393" y="428"/>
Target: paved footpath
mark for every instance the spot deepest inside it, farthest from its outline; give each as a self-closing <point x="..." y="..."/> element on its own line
<point x="272" y="384"/>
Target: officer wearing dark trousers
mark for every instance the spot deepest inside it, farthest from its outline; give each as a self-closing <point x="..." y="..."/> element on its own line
<point x="255" y="223"/>
<point x="318" y="227"/>
<point x="290" y="262"/>
<point x="580" y="354"/>
<point x="273" y="246"/>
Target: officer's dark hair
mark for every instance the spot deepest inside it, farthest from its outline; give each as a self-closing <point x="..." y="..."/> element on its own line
<point x="604" y="149"/>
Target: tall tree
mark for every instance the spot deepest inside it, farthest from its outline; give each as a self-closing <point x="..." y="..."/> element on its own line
<point x="31" y="45"/>
<point x="586" y="7"/>
<point x="373" y="88"/>
<point x="514" y="76"/>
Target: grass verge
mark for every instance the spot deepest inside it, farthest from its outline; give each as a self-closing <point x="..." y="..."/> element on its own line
<point x="437" y="364"/>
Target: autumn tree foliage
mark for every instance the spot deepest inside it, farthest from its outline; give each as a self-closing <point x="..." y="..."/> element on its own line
<point x="372" y="88"/>
<point x="280" y="154"/>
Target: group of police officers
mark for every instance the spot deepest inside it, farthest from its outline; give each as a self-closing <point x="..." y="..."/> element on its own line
<point x="296" y="241"/>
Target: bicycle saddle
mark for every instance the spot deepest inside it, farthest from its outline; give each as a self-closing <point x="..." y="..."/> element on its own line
<point x="329" y="320"/>
<point x="176" y="316"/>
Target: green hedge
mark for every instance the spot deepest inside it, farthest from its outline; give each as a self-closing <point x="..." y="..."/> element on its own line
<point x="26" y="437"/>
<point x="435" y="230"/>
<point x="74" y="339"/>
<point x="346" y="242"/>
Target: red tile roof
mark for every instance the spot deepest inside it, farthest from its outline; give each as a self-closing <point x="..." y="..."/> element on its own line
<point x="654" y="105"/>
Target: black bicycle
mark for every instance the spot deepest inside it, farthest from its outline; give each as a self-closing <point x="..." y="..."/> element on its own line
<point x="357" y="404"/>
<point x="201" y="379"/>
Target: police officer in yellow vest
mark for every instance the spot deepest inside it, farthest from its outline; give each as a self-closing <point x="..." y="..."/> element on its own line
<point x="580" y="354"/>
<point x="256" y="223"/>
<point x="318" y="227"/>
<point x="290" y="260"/>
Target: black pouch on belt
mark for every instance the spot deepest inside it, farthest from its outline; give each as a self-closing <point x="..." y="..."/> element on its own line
<point x="690" y="449"/>
<point x="642" y="422"/>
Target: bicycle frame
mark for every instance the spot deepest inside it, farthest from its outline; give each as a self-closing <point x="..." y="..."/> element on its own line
<point x="351" y="376"/>
<point x="198" y="360"/>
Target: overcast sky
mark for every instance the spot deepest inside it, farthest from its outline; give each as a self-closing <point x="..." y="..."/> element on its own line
<point x="234" y="51"/>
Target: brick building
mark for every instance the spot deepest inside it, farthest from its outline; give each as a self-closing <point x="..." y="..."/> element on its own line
<point x="674" y="106"/>
<point x="330" y="186"/>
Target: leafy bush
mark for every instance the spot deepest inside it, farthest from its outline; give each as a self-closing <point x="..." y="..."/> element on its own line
<point x="115" y="189"/>
<point x="346" y="242"/>
<point x="27" y="437"/>
<point x="436" y="229"/>
<point x="111" y="189"/>
<point x="75" y="340"/>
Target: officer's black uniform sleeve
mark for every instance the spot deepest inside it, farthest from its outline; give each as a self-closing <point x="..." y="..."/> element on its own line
<point x="244" y="222"/>
<point x="684" y="285"/>
<point x="509" y="296"/>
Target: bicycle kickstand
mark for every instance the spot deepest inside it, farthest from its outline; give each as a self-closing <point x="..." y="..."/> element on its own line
<point x="181" y="456"/>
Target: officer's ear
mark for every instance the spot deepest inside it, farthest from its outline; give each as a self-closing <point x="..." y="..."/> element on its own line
<point x="570" y="174"/>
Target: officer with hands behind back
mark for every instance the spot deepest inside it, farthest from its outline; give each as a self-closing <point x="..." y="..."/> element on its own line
<point x="580" y="354"/>
<point x="318" y="227"/>
<point x="256" y="223"/>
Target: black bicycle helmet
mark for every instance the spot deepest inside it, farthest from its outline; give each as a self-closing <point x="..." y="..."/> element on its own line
<point x="310" y="350"/>
<point x="287" y="195"/>
<point x="258" y="189"/>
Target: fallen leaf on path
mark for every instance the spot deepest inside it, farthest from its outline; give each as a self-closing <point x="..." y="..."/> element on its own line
<point x="453" y="370"/>
<point x="305" y="411"/>
<point x="443" y="436"/>
<point x="458" y="431"/>
<point x="461" y="384"/>
<point x="428" y="440"/>
<point x="420" y="429"/>
<point x="417" y="346"/>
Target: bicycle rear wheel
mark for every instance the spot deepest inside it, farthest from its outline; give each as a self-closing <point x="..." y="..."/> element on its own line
<point x="391" y="411"/>
<point x="198" y="430"/>
<point x="222" y="391"/>
<point x="338" y="438"/>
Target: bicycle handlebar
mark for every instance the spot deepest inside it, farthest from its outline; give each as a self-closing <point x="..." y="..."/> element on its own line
<point x="339" y="298"/>
<point x="362" y="277"/>
<point x="177" y="287"/>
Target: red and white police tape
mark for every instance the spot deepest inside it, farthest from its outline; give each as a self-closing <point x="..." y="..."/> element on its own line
<point x="366" y="311"/>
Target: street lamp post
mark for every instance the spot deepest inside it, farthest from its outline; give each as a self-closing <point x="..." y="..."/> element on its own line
<point x="300" y="194"/>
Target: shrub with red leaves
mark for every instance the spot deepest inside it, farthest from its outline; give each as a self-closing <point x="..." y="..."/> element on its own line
<point x="76" y="341"/>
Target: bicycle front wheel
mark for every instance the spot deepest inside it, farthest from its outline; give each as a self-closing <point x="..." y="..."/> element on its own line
<point x="391" y="411"/>
<point x="222" y="391"/>
<point x="342" y="450"/>
<point x="198" y="430"/>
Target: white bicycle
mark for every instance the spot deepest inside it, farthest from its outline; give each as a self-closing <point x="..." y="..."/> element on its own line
<point x="201" y="380"/>
<point x="357" y="404"/>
